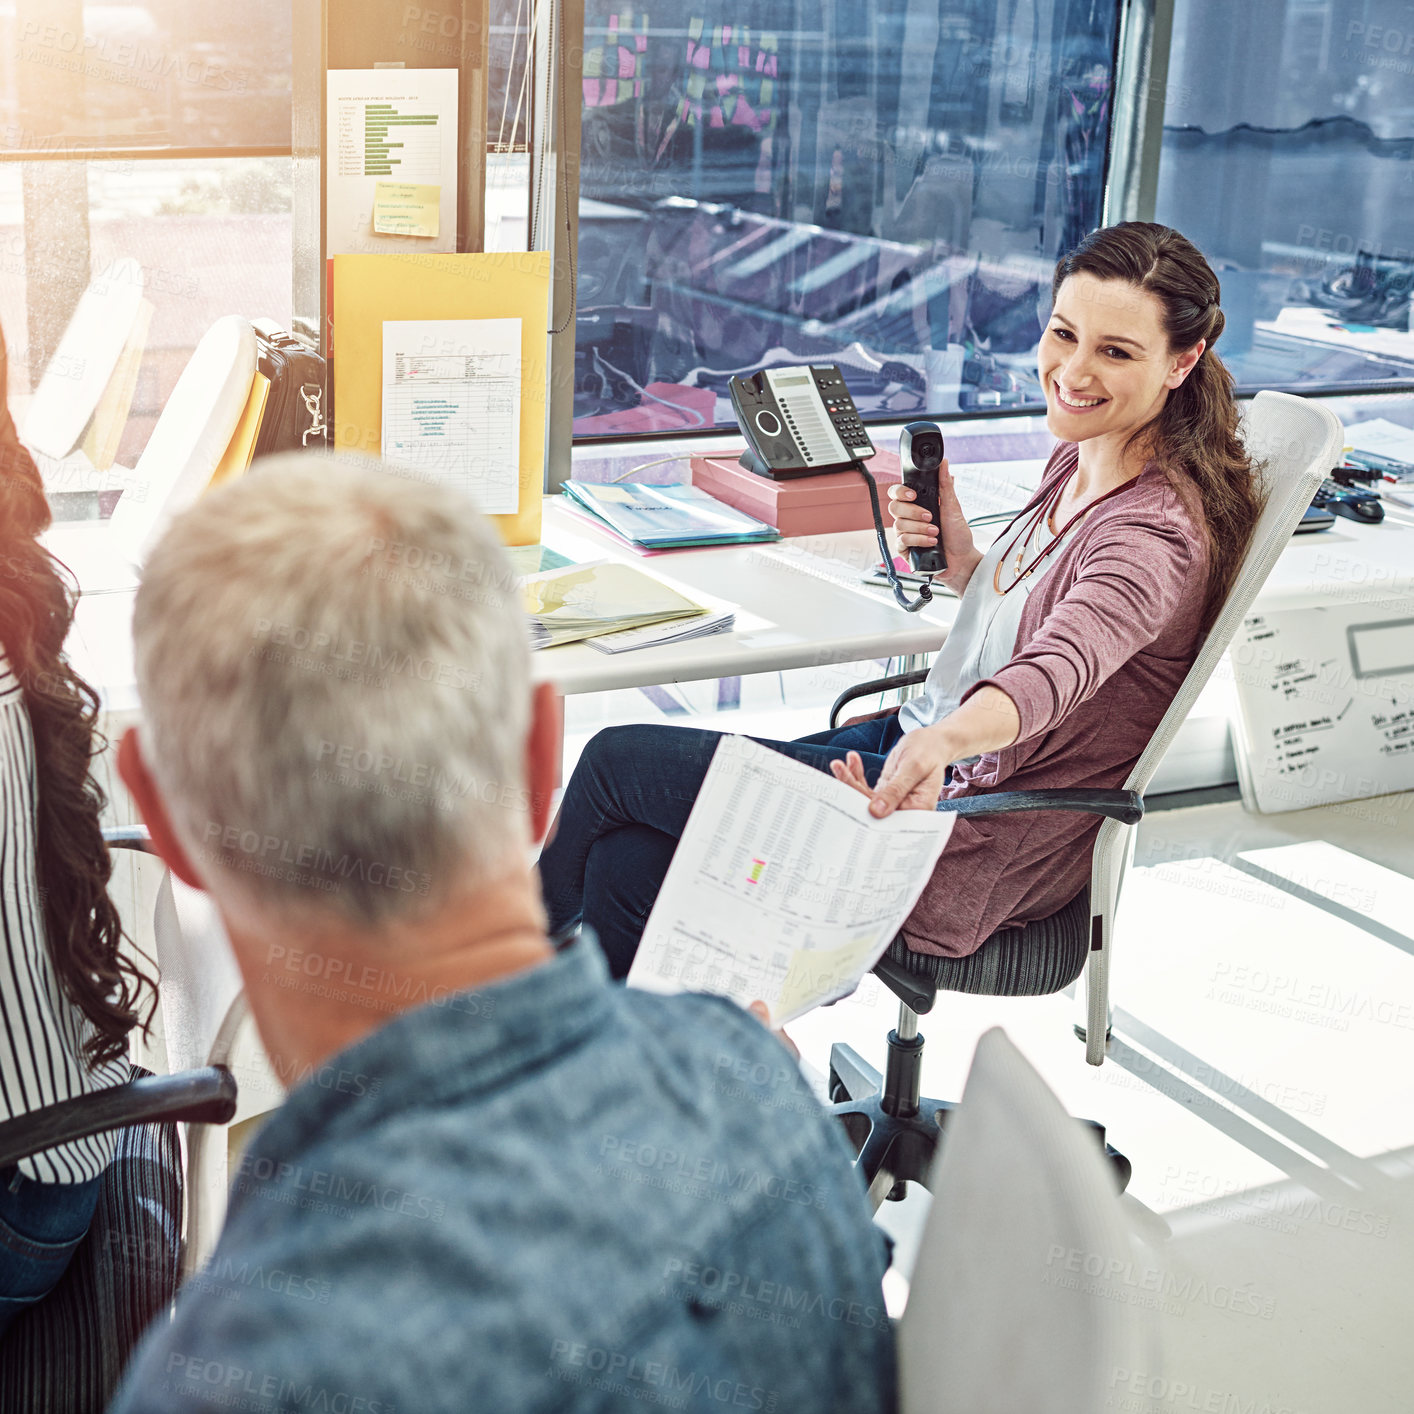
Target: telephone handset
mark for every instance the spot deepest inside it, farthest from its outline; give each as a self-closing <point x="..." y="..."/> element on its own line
<point x="798" y="422"/>
<point x="802" y="421"/>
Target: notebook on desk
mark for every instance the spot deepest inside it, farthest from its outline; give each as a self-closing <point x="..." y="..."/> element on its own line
<point x="667" y="517"/>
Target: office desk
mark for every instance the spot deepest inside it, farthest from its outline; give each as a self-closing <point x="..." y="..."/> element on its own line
<point x="794" y="610"/>
<point x="797" y="607"/>
<point x="1323" y="670"/>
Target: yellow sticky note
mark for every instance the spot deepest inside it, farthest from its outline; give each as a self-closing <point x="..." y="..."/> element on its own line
<point x="407" y="209"/>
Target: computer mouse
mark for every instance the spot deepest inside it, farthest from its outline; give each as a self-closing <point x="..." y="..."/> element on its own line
<point x="1362" y="508"/>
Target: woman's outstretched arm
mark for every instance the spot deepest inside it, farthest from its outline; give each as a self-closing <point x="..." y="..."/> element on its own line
<point x="912" y="778"/>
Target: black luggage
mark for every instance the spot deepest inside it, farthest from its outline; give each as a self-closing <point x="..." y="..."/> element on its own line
<point x="294" y="411"/>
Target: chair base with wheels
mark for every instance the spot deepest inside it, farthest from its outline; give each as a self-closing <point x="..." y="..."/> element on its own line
<point x="894" y="1129"/>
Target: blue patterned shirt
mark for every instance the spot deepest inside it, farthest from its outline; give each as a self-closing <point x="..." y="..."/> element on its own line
<point x="549" y="1194"/>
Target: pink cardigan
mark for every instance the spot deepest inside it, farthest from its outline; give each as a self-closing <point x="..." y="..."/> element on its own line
<point x="1105" y="641"/>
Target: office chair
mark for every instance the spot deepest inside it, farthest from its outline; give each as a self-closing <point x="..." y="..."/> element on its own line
<point x="205" y="1022"/>
<point x="893" y="1129"/>
<point x="1005" y="1311"/>
<point x="67" y="1352"/>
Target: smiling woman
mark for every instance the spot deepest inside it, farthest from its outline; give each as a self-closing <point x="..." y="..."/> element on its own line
<point x="1074" y="631"/>
<point x="1143" y="317"/>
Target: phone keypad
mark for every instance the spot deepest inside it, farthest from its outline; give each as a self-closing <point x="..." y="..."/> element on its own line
<point x="842" y="410"/>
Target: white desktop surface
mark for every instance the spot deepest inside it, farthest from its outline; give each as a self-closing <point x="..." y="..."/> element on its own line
<point x="1351" y="560"/>
<point x="789" y="616"/>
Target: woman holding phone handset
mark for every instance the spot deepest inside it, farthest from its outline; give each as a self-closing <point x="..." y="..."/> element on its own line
<point x="1074" y="630"/>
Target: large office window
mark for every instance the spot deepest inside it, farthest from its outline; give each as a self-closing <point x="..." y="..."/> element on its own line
<point x="885" y="184"/>
<point x="159" y="131"/>
<point x="1288" y="157"/>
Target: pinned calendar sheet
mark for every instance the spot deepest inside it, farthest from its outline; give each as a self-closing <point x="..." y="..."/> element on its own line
<point x="784" y="889"/>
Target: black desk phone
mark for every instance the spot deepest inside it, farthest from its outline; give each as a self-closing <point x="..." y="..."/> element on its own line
<point x="802" y="421"/>
<point x="798" y="422"/>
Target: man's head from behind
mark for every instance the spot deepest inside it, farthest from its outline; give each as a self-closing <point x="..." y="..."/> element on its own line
<point x="334" y="676"/>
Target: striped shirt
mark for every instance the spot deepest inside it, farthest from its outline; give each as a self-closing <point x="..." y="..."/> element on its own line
<point x="41" y="1049"/>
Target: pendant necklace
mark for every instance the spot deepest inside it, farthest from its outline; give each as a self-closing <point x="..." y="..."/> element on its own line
<point x="1044" y="512"/>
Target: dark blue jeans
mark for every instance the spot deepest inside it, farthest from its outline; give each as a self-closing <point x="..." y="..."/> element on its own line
<point x="626" y="807"/>
<point x="40" y="1226"/>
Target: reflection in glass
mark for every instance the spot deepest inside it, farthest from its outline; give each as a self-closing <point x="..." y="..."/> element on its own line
<point x="1298" y="188"/>
<point x="210" y="238"/>
<point x="885" y="184"/>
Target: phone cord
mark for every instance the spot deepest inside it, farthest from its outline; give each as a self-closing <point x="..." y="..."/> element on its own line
<point x="925" y="591"/>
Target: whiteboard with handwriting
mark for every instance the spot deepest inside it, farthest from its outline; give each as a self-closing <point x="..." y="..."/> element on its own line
<point x="1325" y="699"/>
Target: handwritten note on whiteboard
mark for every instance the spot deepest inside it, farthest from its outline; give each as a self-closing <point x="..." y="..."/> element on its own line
<point x="783" y="889"/>
<point x="451" y="404"/>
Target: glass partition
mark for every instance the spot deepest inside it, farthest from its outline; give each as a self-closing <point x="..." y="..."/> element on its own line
<point x="168" y="73"/>
<point x="883" y="184"/>
<point x="1298" y="187"/>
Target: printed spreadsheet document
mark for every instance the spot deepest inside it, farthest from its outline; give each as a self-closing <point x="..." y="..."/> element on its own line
<point x="451" y="404"/>
<point x="784" y="889"/>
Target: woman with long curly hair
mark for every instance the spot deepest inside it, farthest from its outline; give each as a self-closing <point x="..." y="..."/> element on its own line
<point x="1074" y="631"/>
<point x="68" y="998"/>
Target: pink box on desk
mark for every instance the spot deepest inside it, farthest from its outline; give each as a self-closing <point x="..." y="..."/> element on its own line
<point x="806" y="505"/>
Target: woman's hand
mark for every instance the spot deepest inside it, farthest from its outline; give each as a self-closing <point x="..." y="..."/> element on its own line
<point x="913" y="774"/>
<point x="914" y="528"/>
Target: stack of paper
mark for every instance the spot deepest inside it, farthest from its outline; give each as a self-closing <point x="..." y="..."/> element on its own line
<point x="531" y="559"/>
<point x="583" y="601"/>
<point x="1383" y="446"/>
<point x="667" y="517"/>
<point x="676" y="631"/>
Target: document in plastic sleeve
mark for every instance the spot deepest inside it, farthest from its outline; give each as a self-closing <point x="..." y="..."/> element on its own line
<point x="784" y="889"/>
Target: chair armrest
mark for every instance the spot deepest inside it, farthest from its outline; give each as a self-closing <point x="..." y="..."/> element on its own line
<point x="206" y="1096"/>
<point x="1126" y="806"/>
<point x="127" y="837"/>
<point x="868" y="689"/>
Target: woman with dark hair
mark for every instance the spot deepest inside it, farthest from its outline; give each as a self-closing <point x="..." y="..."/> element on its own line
<point x="1073" y="634"/>
<point x="67" y="997"/>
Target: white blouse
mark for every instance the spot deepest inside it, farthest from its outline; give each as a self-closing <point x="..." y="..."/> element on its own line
<point x="41" y="1050"/>
<point x="982" y="639"/>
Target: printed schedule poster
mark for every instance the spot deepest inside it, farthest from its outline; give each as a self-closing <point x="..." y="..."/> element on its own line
<point x="391" y="131"/>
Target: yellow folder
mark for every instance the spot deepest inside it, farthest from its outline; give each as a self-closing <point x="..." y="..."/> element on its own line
<point x="235" y="460"/>
<point x="369" y="289"/>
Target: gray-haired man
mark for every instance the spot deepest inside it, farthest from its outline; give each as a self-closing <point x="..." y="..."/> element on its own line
<point x="502" y="1183"/>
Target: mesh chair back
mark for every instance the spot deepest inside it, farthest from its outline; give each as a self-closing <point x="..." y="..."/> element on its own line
<point x="1296" y="443"/>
